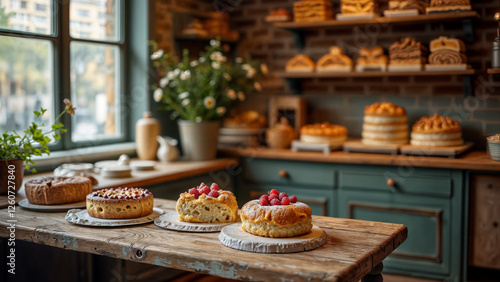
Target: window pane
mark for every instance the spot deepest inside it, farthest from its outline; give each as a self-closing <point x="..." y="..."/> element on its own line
<point x="94" y="19"/>
<point x="26" y="15"/>
<point x="94" y="91"/>
<point x="26" y="82"/>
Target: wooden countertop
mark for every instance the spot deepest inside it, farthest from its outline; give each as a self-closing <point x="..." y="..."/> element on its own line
<point x="354" y="247"/>
<point x="474" y="160"/>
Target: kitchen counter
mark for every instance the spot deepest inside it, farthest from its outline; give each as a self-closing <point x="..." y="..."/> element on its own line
<point x="474" y="160"/>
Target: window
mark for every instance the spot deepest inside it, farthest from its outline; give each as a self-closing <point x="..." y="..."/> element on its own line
<point x="48" y="60"/>
<point x="82" y="13"/>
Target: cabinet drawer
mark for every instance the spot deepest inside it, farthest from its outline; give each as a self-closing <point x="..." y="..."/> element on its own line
<point x="288" y="172"/>
<point x="391" y="180"/>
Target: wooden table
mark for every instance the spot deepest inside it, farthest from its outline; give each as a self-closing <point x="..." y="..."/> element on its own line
<point x="354" y="247"/>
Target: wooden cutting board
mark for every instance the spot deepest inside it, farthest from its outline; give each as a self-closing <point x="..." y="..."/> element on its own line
<point x="355" y="146"/>
<point x="451" y="152"/>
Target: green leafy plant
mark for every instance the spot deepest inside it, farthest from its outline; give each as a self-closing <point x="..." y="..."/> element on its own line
<point x="207" y="87"/>
<point x="34" y="142"/>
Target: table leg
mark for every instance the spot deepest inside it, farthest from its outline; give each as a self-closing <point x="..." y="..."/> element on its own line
<point x="375" y="275"/>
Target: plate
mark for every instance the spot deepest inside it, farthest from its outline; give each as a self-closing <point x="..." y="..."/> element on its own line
<point x="171" y="221"/>
<point x="54" y="208"/>
<point x="239" y="131"/>
<point x="101" y="164"/>
<point x="142" y="165"/>
<point x="233" y="236"/>
<point x="81" y="217"/>
<point x="117" y="171"/>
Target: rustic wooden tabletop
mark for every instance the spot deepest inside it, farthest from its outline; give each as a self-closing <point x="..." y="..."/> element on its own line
<point x="354" y="248"/>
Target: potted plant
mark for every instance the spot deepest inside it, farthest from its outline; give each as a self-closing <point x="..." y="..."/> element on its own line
<point x="16" y="151"/>
<point x="202" y="91"/>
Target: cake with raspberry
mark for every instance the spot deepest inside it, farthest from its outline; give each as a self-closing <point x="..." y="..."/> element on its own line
<point x="436" y="131"/>
<point x="325" y="132"/>
<point x="57" y="190"/>
<point x="120" y="203"/>
<point x="276" y="215"/>
<point x="205" y="204"/>
<point x="384" y="124"/>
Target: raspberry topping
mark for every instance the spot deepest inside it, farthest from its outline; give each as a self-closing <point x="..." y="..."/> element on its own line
<point x="293" y="199"/>
<point x="214" y="193"/>
<point x="204" y="190"/>
<point x="263" y="201"/>
<point x="195" y="192"/>
<point x="285" y="201"/>
<point x="214" y="186"/>
<point x="273" y="196"/>
<point x="275" y="202"/>
<point x="274" y="191"/>
<point x="276" y="198"/>
<point x="282" y="195"/>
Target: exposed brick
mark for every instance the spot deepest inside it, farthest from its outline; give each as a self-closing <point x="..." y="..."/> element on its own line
<point x="492" y="128"/>
<point x="487" y="115"/>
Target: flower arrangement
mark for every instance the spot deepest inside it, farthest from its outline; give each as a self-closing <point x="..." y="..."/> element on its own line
<point x="34" y="141"/>
<point x="206" y="88"/>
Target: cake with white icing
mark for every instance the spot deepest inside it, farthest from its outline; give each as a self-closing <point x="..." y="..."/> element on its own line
<point x="384" y="124"/>
<point x="436" y="131"/>
<point x="325" y="132"/>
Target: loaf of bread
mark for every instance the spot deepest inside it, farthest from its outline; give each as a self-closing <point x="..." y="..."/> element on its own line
<point x="312" y="10"/>
<point x="57" y="190"/>
<point x="372" y="58"/>
<point x="334" y="61"/>
<point x="357" y="6"/>
<point x="300" y="63"/>
<point x="446" y="50"/>
<point x="401" y="5"/>
<point x="407" y="52"/>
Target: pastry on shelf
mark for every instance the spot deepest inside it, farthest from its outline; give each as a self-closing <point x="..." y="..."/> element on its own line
<point x="384" y="124"/>
<point x="436" y="131"/>
<point x="248" y="119"/>
<point x="276" y="215"/>
<point x="402" y="5"/>
<point x="279" y="15"/>
<point x="444" y="6"/>
<point x="205" y="204"/>
<point x="371" y="59"/>
<point x="281" y="135"/>
<point x="195" y="28"/>
<point x="335" y="61"/>
<point x="300" y="63"/>
<point x="57" y="190"/>
<point x="120" y="203"/>
<point x="447" y="51"/>
<point x="407" y="53"/>
<point x="325" y="132"/>
<point x="312" y="10"/>
<point x="357" y="6"/>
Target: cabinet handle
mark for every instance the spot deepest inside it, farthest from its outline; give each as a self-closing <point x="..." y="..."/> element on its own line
<point x="283" y="173"/>
<point x="391" y="182"/>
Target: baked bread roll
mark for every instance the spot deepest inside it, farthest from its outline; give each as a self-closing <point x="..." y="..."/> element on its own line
<point x="120" y="203"/>
<point x="334" y="61"/>
<point x="326" y="132"/>
<point x="300" y="63"/>
<point x="436" y="131"/>
<point x="207" y="205"/>
<point x="384" y="124"/>
<point x="372" y="58"/>
<point x="276" y="218"/>
<point x="57" y="190"/>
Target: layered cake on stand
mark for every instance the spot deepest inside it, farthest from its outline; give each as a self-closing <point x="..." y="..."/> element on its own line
<point x="384" y="124"/>
<point x="436" y="131"/>
<point x="323" y="137"/>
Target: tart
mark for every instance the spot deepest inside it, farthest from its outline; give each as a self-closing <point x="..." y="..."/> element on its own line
<point x="205" y="204"/>
<point x="384" y="124"/>
<point x="120" y="203"/>
<point x="277" y="216"/>
<point x="436" y="131"/>
<point x="57" y="190"/>
<point x="323" y="133"/>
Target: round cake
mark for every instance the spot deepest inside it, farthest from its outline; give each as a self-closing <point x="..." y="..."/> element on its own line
<point x="57" y="190"/>
<point x="203" y="204"/>
<point x="120" y="203"/>
<point x="436" y="131"/>
<point x="323" y="133"/>
<point x="249" y="119"/>
<point x="280" y="217"/>
<point x="384" y="124"/>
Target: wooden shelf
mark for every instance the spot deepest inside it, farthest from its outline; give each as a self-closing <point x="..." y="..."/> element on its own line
<point x="204" y="38"/>
<point x="381" y="20"/>
<point x="493" y="71"/>
<point x="299" y="75"/>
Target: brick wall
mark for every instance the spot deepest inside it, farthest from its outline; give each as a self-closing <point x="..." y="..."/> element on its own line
<point x="342" y="100"/>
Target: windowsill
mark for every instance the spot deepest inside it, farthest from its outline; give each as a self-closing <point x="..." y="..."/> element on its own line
<point x="85" y="154"/>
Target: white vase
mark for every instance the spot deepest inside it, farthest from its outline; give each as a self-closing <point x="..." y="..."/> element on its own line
<point x="146" y="130"/>
<point x="199" y="139"/>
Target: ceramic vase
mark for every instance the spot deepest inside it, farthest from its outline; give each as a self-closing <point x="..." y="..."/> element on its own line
<point x="146" y="130"/>
<point x="11" y="175"/>
<point x="199" y="139"/>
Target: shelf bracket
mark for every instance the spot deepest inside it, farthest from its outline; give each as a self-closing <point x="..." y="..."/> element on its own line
<point x="468" y="30"/>
<point x="298" y="37"/>
<point x="468" y="86"/>
<point x="295" y="85"/>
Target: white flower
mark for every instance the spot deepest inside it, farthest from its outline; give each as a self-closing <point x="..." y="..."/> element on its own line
<point x="220" y="111"/>
<point x="231" y="94"/>
<point x="215" y="43"/>
<point x="251" y="72"/>
<point x="185" y="102"/>
<point x="216" y="56"/>
<point x="201" y="60"/>
<point x="257" y="86"/>
<point x="215" y="65"/>
<point x="170" y="75"/>
<point x="264" y="69"/>
<point x="185" y="75"/>
<point x="198" y="119"/>
<point x="209" y="102"/>
<point x="241" y="96"/>
<point x="238" y="60"/>
<point x="246" y="67"/>
<point x="164" y="82"/>
<point x="223" y="59"/>
<point x="158" y="94"/>
<point x="183" y="95"/>
<point x="156" y="55"/>
<point x="194" y="63"/>
<point x="227" y="76"/>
